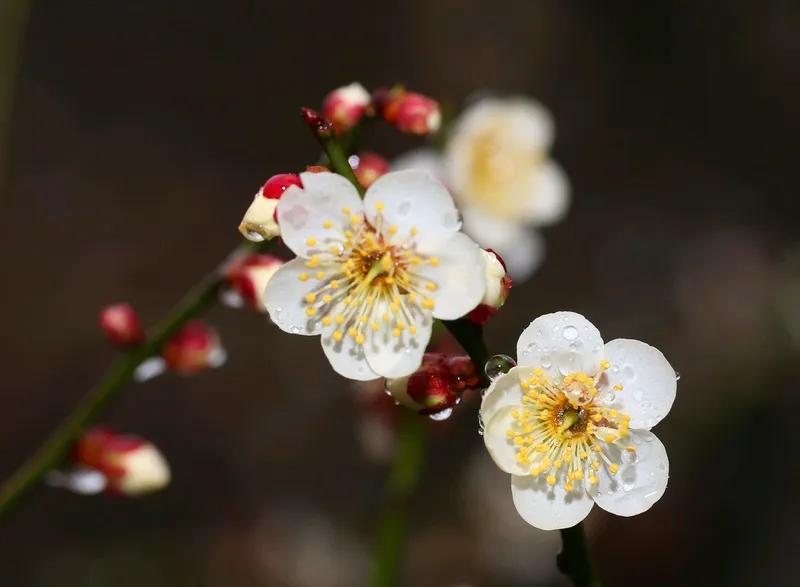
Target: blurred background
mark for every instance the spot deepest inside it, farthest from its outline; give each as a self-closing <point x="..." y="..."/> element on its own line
<point x="140" y="131"/>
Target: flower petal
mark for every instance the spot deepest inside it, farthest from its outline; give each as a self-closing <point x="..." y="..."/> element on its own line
<point x="546" y="507"/>
<point x="561" y="343"/>
<point x="412" y="201"/>
<point x="503" y="391"/>
<point x="346" y="356"/>
<point x="521" y="247"/>
<point x="421" y="159"/>
<point x="637" y="485"/>
<point x="284" y="295"/>
<point x="393" y="352"/>
<point x="549" y="195"/>
<point x="315" y="212"/>
<point x="501" y="448"/>
<point x="456" y="283"/>
<point x="648" y="381"/>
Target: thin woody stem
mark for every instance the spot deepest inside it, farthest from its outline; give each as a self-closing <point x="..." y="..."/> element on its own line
<point x="574" y="560"/>
<point x="51" y="453"/>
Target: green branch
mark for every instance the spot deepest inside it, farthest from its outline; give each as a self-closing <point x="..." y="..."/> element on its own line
<point x="403" y="479"/>
<point x="574" y="560"/>
<point x="51" y="453"/>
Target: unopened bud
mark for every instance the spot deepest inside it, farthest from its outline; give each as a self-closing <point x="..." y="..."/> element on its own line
<point x="368" y="167"/>
<point x="498" y="285"/>
<point x="131" y="466"/>
<point x="247" y="279"/>
<point x="121" y="325"/>
<point x="260" y="221"/>
<point x="436" y="386"/>
<point x="409" y="112"/>
<point x="345" y="106"/>
<point x="194" y="348"/>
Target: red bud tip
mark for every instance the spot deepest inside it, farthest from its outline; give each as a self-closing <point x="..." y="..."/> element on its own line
<point x="320" y="126"/>
<point x="368" y="167"/>
<point x="248" y="277"/>
<point x="409" y="112"/>
<point x="277" y="184"/>
<point x="121" y="325"/>
<point x="345" y="106"/>
<point x="131" y="465"/>
<point x="193" y="348"/>
<point x="437" y="385"/>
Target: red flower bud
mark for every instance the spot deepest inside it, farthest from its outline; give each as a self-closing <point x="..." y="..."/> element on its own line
<point x="260" y="222"/>
<point x="345" y="106"/>
<point x="368" y="167"/>
<point x="409" y="112"/>
<point x="121" y="325"/>
<point x="193" y="348"/>
<point x="131" y="466"/>
<point x="247" y="278"/>
<point x="436" y="386"/>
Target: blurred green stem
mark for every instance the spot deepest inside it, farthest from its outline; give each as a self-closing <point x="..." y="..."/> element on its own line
<point x="50" y="454"/>
<point x="574" y="560"/>
<point x="13" y="18"/>
<point x="392" y="524"/>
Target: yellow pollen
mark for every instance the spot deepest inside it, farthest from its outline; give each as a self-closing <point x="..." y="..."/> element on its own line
<point x="551" y="479"/>
<point x="379" y="206"/>
<point x="618" y="387"/>
<point x="428" y="304"/>
<point x="312" y="262"/>
<point x="393" y="229"/>
<point x="430" y="286"/>
<point x="320" y="275"/>
<point x="375" y="326"/>
<point x="303" y="277"/>
<point x="327" y="298"/>
<point x="355" y="219"/>
<point x="433" y="261"/>
<point x="340" y="319"/>
<point x="352" y="332"/>
<point x="327" y="321"/>
<point x="609" y="438"/>
<point x="604" y="365"/>
<point x="593" y="479"/>
<point x="327" y="224"/>
<point x="613" y="468"/>
<point x="396" y="333"/>
<point x="346" y="210"/>
<point x="311" y="312"/>
<point x="412" y="329"/>
<point x="414" y="231"/>
<point x="359" y="339"/>
<point x="311" y="241"/>
<point x="311" y="298"/>
<point x="337" y="335"/>
<point x="334" y="284"/>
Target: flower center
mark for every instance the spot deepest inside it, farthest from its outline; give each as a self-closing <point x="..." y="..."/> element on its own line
<point x="369" y="279"/>
<point x="562" y="431"/>
<point x="500" y="171"/>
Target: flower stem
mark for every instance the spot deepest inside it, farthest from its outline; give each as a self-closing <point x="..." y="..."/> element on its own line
<point x="333" y="147"/>
<point x="50" y="454"/>
<point x="574" y="561"/>
<point x="391" y="533"/>
<point x="470" y="336"/>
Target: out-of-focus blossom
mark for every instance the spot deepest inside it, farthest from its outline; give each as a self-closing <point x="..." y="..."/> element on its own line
<point x="194" y="348"/>
<point x="345" y="106"/>
<point x="497" y="164"/>
<point x="371" y="275"/>
<point x="368" y="167"/>
<point x="498" y="285"/>
<point x="436" y="386"/>
<point x="409" y="112"/>
<point x="571" y="423"/>
<point x="260" y="222"/>
<point x="130" y="465"/>
<point x="121" y="325"/>
<point x="247" y="279"/>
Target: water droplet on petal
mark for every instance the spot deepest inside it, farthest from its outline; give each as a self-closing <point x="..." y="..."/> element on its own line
<point x="570" y="333"/>
<point x="498" y="365"/>
<point x="629" y="456"/>
<point x="254" y="236"/>
<point x="443" y="415"/>
<point x="677" y="376"/>
<point x="609" y="397"/>
<point x="149" y="368"/>
<point x="627" y="487"/>
<point x="481" y="425"/>
<point x="547" y="362"/>
<point x="451" y="220"/>
<point x="295" y="330"/>
<point x="404" y="208"/>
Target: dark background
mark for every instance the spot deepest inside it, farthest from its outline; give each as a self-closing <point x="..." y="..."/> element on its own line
<point x="142" y="129"/>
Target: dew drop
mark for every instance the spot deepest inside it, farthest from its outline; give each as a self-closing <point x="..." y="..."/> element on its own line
<point x="677" y="376"/>
<point x="354" y="160"/>
<point x="570" y="333"/>
<point x="481" y="426"/>
<point x="404" y="208"/>
<point x="637" y="395"/>
<point x="149" y="368"/>
<point x="254" y="236"/>
<point x="615" y="369"/>
<point x="443" y="415"/>
<point x="609" y="397"/>
<point x="626" y="487"/>
<point x="498" y="365"/>
<point x="295" y="330"/>
<point x="629" y="456"/>
<point x="547" y="362"/>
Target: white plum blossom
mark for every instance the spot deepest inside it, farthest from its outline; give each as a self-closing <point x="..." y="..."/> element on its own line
<point x="497" y="164"/>
<point x="571" y="422"/>
<point x="370" y="276"/>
